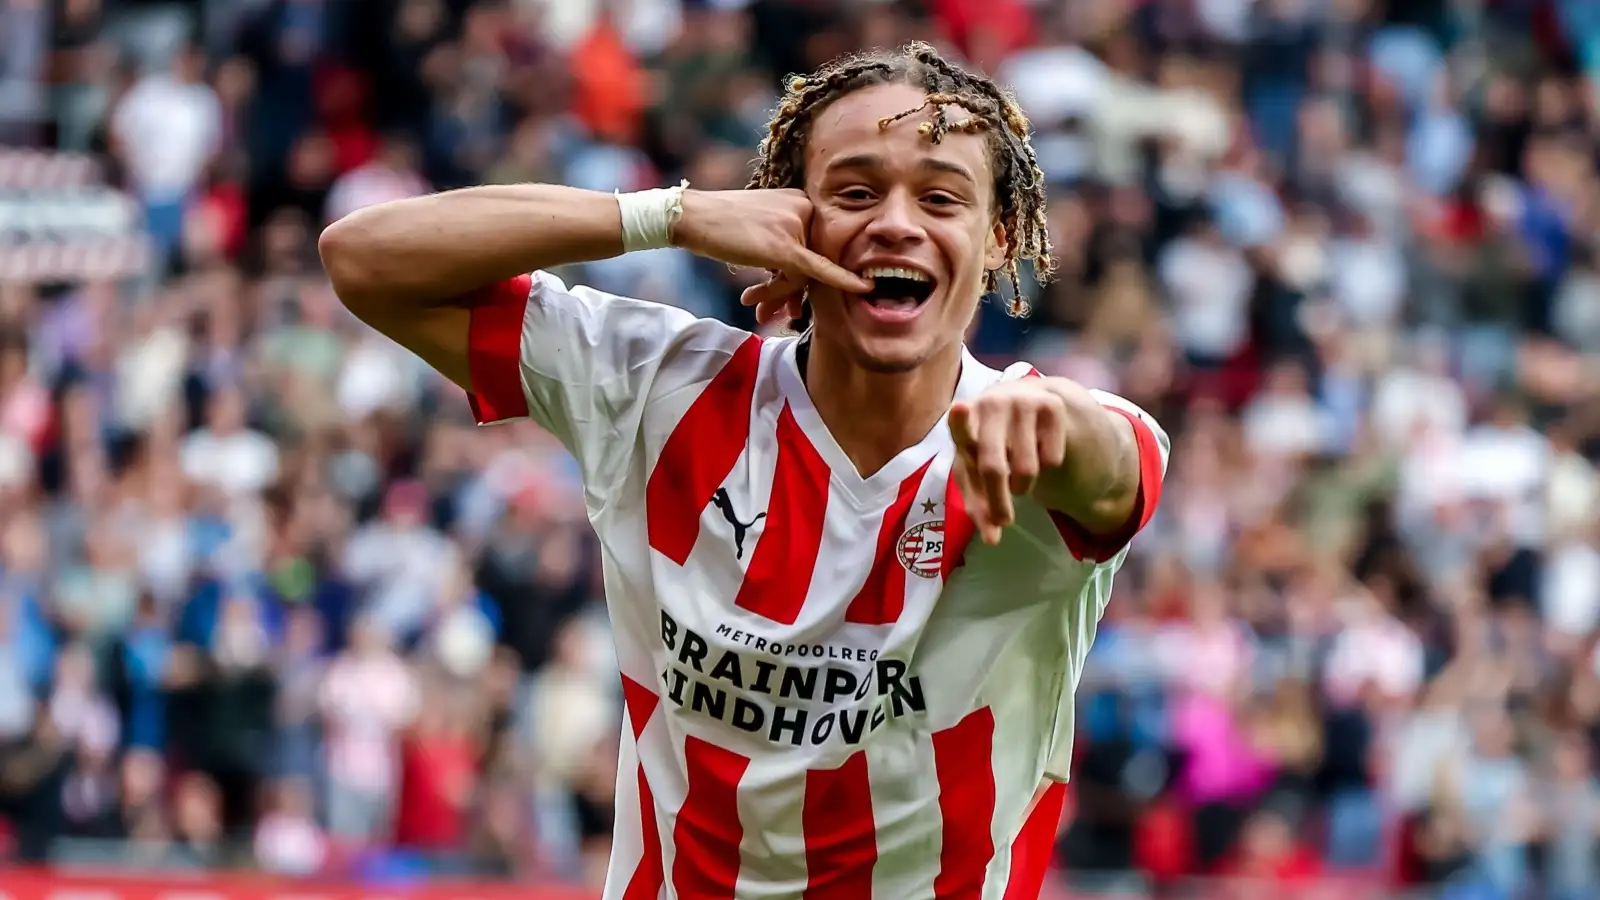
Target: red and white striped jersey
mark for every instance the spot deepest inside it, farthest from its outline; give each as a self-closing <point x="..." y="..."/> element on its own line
<point x="832" y="692"/>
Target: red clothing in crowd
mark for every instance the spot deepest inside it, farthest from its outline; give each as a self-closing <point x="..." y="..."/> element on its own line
<point x="437" y="775"/>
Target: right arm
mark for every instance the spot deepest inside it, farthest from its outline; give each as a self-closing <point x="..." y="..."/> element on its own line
<point x="447" y="276"/>
<point x="414" y="269"/>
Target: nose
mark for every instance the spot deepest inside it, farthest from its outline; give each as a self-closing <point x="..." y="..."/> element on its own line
<point x="897" y="221"/>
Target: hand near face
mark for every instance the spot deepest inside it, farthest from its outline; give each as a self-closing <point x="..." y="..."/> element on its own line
<point x="764" y="229"/>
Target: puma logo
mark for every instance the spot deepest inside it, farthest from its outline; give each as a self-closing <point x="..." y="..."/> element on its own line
<point x="725" y="503"/>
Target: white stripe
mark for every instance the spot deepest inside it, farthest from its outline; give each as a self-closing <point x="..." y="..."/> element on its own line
<point x="772" y="856"/>
<point x="627" y="846"/>
<point x="668" y="776"/>
<point x="905" y="810"/>
<point x="844" y="561"/>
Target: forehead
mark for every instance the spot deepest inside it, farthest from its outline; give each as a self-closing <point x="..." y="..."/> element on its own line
<point x="848" y="127"/>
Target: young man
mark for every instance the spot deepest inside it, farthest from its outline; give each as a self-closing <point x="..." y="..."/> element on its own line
<point x="852" y="575"/>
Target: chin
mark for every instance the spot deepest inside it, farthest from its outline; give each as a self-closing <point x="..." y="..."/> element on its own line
<point x="891" y="356"/>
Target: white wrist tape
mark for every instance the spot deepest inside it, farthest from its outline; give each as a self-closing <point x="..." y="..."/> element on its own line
<point x="648" y="217"/>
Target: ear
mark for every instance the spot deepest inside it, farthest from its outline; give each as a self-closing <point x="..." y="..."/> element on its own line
<point x="994" y="250"/>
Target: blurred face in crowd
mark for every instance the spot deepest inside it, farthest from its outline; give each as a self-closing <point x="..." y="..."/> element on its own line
<point x="367" y="637"/>
<point x="198" y="809"/>
<point x="227" y="411"/>
<point x="189" y="65"/>
<point x="13" y="364"/>
<point x="304" y="631"/>
<point x="142" y="777"/>
<point x="1571" y="758"/>
<point x="399" y="155"/>
<point x="75" y="669"/>
<point x="294" y="797"/>
<point x="23" y="550"/>
<point x="918" y="218"/>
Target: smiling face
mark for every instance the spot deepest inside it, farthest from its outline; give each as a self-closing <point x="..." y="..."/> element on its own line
<point x="918" y="218"/>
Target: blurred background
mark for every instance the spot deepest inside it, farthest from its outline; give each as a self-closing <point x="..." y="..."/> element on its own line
<point x="269" y="603"/>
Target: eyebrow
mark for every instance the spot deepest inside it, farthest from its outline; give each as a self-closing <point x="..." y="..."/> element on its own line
<point x="872" y="161"/>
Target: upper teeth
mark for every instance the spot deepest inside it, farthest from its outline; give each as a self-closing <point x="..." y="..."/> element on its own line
<point x="888" y="272"/>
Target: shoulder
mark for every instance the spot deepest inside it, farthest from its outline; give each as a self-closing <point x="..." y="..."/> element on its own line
<point x="581" y="335"/>
<point x="640" y="322"/>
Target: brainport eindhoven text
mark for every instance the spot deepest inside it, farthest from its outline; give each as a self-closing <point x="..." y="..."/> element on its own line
<point x="761" y="692"/>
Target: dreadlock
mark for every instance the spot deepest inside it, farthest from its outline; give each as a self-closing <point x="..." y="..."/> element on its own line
<point x="988" y="110"/>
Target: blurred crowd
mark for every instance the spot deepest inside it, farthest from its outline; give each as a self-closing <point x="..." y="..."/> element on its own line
<point x="267" y="598"/>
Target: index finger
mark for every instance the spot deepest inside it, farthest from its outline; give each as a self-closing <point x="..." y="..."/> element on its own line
<point x="821" y="269"/>
<point x="963" y="426"/>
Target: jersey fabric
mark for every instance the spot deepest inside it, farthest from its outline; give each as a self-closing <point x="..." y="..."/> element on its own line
<point x="832" y="692"/>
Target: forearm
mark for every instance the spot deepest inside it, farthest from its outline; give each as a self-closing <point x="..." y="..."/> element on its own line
<point x="434" y="248"/>
<point x="1097" y="485"/>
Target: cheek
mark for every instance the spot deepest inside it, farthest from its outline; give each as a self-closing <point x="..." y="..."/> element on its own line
<point x="968" y="250"/>
<point x="830" y="233"/>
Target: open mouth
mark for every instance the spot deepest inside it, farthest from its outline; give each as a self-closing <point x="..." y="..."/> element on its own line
<point x="898" y="289"/>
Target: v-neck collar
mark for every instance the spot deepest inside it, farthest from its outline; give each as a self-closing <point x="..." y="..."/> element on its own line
<point x="888" y="478"/>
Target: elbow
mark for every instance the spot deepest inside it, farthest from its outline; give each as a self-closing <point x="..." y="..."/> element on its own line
<point x="348" y="252"/>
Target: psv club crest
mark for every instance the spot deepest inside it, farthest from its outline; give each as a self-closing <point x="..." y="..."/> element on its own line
<point x="921" y="548"/>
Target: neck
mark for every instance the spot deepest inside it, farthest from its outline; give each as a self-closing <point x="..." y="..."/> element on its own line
<point x="876" y="415"/>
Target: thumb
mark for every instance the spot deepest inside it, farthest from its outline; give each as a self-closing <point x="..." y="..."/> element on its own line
<point x="821" y="269"/>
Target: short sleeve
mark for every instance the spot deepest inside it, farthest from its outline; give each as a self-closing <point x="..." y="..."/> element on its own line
<point x="583" y="364"/>
<point x="1154" y="449"/>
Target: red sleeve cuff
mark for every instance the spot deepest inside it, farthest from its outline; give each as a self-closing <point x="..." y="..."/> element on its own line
<point x="494" y="351"/>
<point x="1087" y="545"/>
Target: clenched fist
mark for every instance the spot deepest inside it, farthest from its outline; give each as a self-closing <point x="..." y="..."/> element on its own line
<point x="764" y="229"/>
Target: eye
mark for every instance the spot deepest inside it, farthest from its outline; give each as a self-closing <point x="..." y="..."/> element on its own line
<point x="856" y="195"/>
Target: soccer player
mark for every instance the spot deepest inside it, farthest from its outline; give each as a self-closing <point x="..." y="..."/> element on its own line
<point x="853" y="574"/>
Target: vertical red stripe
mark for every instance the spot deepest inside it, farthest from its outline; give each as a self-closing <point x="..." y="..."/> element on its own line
<point x="883" y="596"/>
<point x="779" y="575"/>
<point x="707" y="836"/>
<point x="641" y="703"/>
<point x="494" y="350"/>
<point x="841" y="838"/>
<point x="700" y="453"/>
<point x="963" y="762"/>
<point x="648" y="876"/>
<point x="958" y="527"/>
<point x="1035" y="844"/>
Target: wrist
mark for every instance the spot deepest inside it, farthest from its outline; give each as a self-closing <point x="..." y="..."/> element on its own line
<point x="649" y="218"/>
<point x="682" y="233"/>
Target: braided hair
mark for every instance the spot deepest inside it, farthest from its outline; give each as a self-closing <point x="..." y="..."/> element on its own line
<point x="984" y="108"/>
